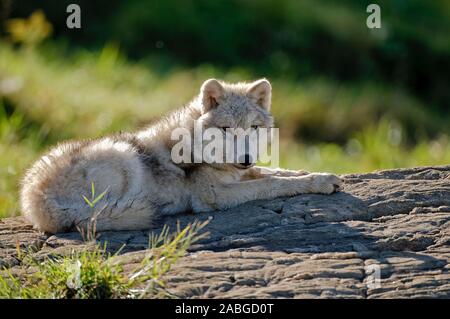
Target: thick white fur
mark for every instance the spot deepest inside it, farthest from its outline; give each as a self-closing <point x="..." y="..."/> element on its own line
<point x="140" y="179"/>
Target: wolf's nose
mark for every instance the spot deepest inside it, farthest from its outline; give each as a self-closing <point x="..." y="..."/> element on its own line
<point x="245" y="160"/>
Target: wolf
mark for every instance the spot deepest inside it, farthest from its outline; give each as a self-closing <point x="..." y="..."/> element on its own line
<point x="139" y="179"/>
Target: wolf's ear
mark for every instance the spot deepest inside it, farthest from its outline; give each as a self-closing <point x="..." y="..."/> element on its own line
<point x="210" y="93"/>
<point x="261" y="91"/>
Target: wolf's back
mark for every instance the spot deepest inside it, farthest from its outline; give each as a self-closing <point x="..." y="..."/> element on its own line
<point x="53" y="188"/>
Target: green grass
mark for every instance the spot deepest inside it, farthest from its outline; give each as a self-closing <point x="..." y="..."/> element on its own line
<point x="48" y="96"/>
<point x="377" y="147"/>
<point x="93" y="273"/>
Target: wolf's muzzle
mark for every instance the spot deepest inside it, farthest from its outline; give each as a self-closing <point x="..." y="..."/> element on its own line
<point x="246" y="161"/>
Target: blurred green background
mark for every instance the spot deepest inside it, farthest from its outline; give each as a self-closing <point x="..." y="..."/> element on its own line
<point x="346" y="98"/>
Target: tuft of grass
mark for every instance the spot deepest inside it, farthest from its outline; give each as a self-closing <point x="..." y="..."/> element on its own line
<point x="94" y="199"/>
<point x="93" y="273"/>
<point x="89" y="231"/>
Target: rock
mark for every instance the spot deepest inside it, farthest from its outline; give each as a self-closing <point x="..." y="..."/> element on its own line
<point x="385" y="235"/>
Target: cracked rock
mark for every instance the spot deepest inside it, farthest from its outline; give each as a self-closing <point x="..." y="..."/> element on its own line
<point x="385" y="235"/>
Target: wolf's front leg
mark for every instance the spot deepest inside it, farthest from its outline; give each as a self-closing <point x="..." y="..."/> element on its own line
<point x="262" y="172"/>
<point x="224" y="196"/>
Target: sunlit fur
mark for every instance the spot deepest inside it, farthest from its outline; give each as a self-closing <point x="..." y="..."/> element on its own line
<point x="141" y="180"/>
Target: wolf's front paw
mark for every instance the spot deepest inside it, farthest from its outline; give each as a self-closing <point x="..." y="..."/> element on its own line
<point x="324" y="183"/>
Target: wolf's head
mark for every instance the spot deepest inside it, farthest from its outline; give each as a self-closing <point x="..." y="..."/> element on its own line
<point x="233" y="110"/>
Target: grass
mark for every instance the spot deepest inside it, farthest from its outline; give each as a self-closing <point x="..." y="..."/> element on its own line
<point x="379" y="146"/>
<point x="93" y="273"/>
<point x="48" y="95"/>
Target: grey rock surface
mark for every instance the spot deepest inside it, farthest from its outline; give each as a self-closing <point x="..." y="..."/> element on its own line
<point x="385" y="235"/>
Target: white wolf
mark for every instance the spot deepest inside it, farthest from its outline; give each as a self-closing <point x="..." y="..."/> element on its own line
<point x="141" y="179"/>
